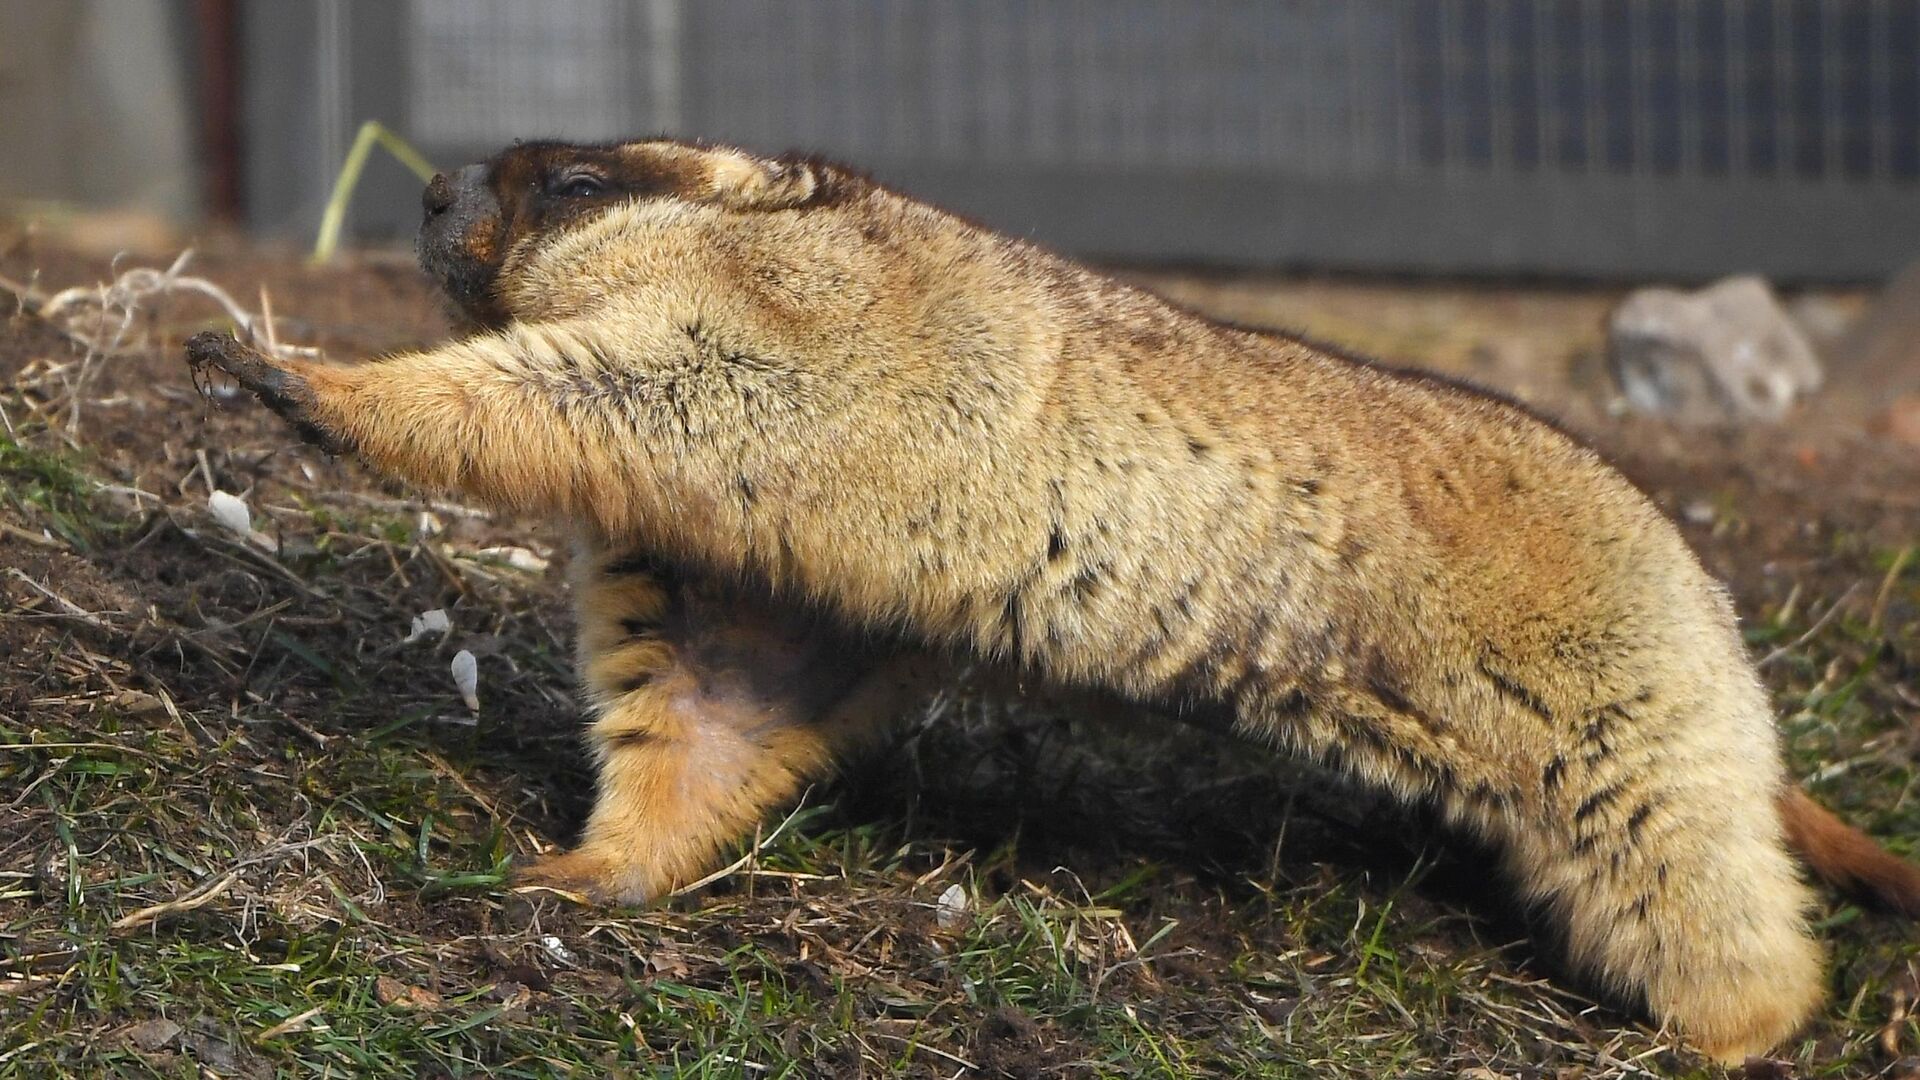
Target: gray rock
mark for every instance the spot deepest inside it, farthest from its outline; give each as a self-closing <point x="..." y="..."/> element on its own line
<point x="1822" y="317"/>
<point x="1726" y="353"/>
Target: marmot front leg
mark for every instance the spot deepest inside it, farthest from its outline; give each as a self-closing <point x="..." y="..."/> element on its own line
<point x="511" y="418"/>
<point x="712" y="712"/>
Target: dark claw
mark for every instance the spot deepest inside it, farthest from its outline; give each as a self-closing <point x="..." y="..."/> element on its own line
<point x="209" y="349"/>
<point x="280" y="390"/>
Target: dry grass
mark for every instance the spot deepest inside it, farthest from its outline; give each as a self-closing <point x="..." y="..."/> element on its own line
<point x="246" y="830"/>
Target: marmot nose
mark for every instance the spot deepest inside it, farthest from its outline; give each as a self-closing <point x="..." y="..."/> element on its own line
<point x="439" y="195"/>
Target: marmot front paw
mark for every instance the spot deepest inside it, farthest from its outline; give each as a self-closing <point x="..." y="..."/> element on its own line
<point x="284" y="391"/>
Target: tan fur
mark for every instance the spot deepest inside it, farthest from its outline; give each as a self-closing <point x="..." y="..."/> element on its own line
<point x="776" y="374"/>
<point x="709" y="709"/>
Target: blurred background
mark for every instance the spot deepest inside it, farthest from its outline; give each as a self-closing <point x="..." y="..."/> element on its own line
<point x="1611" y="139"/>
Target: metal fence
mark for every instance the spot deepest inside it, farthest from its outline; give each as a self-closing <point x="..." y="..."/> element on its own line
<point x="1588" y="137"/>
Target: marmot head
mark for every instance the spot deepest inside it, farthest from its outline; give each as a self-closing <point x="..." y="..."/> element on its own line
<point x="482" y="217"/>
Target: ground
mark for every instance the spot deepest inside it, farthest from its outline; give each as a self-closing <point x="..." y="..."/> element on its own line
<point x="246" y="829"/>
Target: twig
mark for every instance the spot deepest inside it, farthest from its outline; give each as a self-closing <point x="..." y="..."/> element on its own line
<point x="752" y="854"/>
<point x="134" y="750"/>
<point x="205" y="893"/>
<point x="1819" y="625"/>
<point x="1900" y="562"/>
<point x="30" y="537"/>
<point x="290" y="1024"/>
<point x="438" y="506"/>
<point x="460" y="781"/>
<point x="25" y="296"/>
<point x="125" y="293"/>
<point x="926" y="1047"/>
<point x="114" y="306"/>
<point x="66" y="606"/>
<point x="197" y="897"/>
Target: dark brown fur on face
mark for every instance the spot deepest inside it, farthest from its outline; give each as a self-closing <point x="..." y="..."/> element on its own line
<point x="475" y="218"/>
<point x="772" y="374"/>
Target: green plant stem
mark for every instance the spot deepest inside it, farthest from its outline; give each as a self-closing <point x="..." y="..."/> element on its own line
<point x="371" y="132"/>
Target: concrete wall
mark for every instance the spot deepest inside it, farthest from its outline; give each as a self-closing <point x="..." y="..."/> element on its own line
<point x="94" y="105"/>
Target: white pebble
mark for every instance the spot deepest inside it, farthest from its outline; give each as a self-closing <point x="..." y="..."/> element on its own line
<point x="428" y="622"/>
<point x="231" y="512"/>
<point x="517" y="557"/>
<point x="558" y="950"/>
<point x="952" y="907"/>
<point x="466" y="678"/>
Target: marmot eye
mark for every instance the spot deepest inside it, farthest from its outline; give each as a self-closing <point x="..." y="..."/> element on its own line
<point x="579" y="186"/>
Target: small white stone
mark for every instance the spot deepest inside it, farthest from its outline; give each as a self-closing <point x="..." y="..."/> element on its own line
<point x="428" y="622"/>
<point x="517" y="557"/>
<point x="557" y="949"/>
<point x="231" y="512"/>
<point x="951" y="909"/>
<point x="466" y="678"/>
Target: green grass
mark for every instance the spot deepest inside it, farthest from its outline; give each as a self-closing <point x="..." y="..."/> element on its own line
<point x="50" y="486"/>
<point x="844" y="969"/>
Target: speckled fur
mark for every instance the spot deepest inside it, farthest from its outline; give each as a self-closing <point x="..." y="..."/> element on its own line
<point x="829" y="397"/>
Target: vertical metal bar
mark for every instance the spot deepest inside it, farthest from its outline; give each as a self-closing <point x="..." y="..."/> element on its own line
<point x="799" y="102"/>
<point x="663" y="59"/>
<point x="1590" y="65"/>
<point x="1055" y="74"/>
<point x="1880" y="91"/>
<point x="1833" y="123"/>
<point x="330" y="51"/>
<point x="1786" y="131"/>
<point x="1403" y="87"/>
<point x="984" y="78"/>
<point x="948" y="138"/>
<point x="1449" y="70"/>
<point x="1546" y="71"/>
<point x="900" y="135"/>
<point x="1738" y="137"/>
<point x="1359" y="123"/>
<point x="1499" y="68"/>
<point x="217" y="36"/>
<point x="1639" y="90"/>
<point x="1306" y="112"/>
<point x="1085" y="88"/>
<point x="1686" y="48"/>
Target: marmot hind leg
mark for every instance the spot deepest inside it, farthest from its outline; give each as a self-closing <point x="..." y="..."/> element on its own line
<point x="1682" y="898"/>
<point x="1649" y="848"/>
<point x="710" y="712"/>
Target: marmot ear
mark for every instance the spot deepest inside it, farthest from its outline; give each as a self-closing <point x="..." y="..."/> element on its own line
<point x="744" y="182"/>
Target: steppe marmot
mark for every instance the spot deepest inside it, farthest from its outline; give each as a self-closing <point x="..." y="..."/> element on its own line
<point x="816" y="437"/>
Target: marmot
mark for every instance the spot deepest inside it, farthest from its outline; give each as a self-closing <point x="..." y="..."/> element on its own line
<point x="816" y="437"/>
